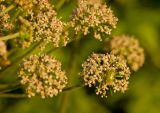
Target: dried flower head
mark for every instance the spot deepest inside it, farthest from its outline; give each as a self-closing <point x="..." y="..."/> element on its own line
<point x="46" y="26"/>
<point x="106" y="72"/>
<point x="42" y="75"/>
<point x="128" y="48"/>
<point x="93" y="16"/>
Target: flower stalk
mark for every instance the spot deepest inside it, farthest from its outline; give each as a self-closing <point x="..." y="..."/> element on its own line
<point x="7" y="10"/>
<point x="5" y="93"/>
<point x="60" y="4"/>
<point x="8" y="95"/>
<point x="12" y="36"/>
<point x="24" y="21"/>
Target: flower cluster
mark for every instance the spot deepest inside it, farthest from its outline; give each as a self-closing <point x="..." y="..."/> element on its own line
<point x="46" y="26"/>
<point x="40" y="23"/>
<point x="4" y="20"/>
<point x="128" y="48"/>
<point x="42" y="75"/>
<point x="92" y="16"/>
<point x="25" y="4"/>
<point x="36" y="21"/>
<point x="105" y="72"/>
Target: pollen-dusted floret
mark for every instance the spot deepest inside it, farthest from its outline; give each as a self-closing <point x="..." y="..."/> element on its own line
<point x="105" y="72"/>
<point x="95" y="17"/>
<point x="42" y="75"/>
<point x="46" y="26"/>
<point x="128" y="48"/>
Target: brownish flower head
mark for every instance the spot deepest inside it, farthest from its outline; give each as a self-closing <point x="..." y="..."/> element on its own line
<point x="128" y="48"/>
<point x="106" y="72"/>
<point x="42" y="75"/>
<point x="46" y="26"/>
<point x="93" y="16"/>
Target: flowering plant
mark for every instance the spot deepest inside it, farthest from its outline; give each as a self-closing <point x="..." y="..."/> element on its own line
<point x="33" y="37"/>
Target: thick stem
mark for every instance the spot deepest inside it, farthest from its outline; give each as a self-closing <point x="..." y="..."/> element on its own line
<point x="12" y="36"/>
<point x="7" y="9"/>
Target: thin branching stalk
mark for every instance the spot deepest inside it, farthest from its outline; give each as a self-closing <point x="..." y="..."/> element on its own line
<point x="7" y="9"/>
<point x="8" y="95"/>
<point x="12" y="36"/>
<point x="24" y="21"/>
<point x="73" y="87"/>
<point x="4" y="86"/>
<point x="9" y="87"/>
<point x="16" y="14"/>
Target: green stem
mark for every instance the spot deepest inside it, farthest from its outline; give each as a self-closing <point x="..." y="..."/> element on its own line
<point x="4" y="86"/>
<point x="17" y="61"/>
<point x="9" y="87"/>
<point x="7" y="9"/>
<point x="9" y="90"/>
<point x="64" y="105"/>
<point x="73" y="87"/>
<point x="16" y="14"/>
<point x="24" y="21"/>
<point x="60" y="4"/>
<point x="12" y="36"/>
<point x="65" y="98"/>
<point x="5" y="94"/>
<point x="8" y="95"/>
